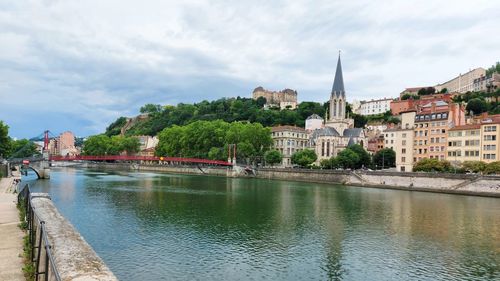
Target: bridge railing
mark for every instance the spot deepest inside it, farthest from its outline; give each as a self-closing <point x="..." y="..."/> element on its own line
<point x="40" y="249"/>
<point x="138" y="158"/>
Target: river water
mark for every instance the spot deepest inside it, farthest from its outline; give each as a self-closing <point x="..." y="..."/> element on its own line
<point x="153" y="226"/>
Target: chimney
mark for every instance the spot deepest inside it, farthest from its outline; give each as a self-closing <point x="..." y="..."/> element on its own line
<point x="433" y="107"/>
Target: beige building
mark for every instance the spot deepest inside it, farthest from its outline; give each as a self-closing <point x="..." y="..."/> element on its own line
<point x="475" y="142"/>
<point x="487" y="83"/>
<point x="432" y="122"/>
<point x="464" y="143"/>
<point x="288" y="140"/>
<point x="285" y="99"/>
<point x="401" y="140"/>
<point x="463" y="83"/>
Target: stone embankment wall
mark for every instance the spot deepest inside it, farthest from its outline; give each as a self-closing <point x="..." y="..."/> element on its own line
<point x="74" y="258"/>
<point x="443" y="183"/>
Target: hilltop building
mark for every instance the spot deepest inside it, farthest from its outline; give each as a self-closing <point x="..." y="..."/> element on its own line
<point x="463" y="83"/>
<point x="284" y="99"/>
<point x="373" y="107"/>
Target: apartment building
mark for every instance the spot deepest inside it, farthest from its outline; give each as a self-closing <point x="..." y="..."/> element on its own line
<point x="432" y="122"/>
<point x="464" y="143"/>
<point x="288" y="140"/>
<point x="401" y="140"/>
<point x="479" y="141"/>
<point x="463" y="83"/>
<point x="490" y="136"/>
<point x="373" y="107"/>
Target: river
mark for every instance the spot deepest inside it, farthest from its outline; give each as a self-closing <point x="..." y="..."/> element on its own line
<point x="154" y="226"/>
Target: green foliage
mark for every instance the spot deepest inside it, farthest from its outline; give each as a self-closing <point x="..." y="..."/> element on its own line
<point x="5" y="141"/>
<point x="359" y="120"/>
<point x="493" y="168"/>
<point x="115" y="145"/>
<point x="304" y="157"/>
<point x="364" y="158"/>
<point x="493" y="69"/>
<point x="426" y="91"/>
<point x="444" y="91"/>
<point x="273" y="157"/>
<point x="150" y="108"/>
<point x="474" y="166"/>
<point x="23" y="148"/>
<point x="346" y="159"/>
<point x="432" y="165"/>
<point x="115" y="128"/>
<point x="477" y="106"/>
<point x="210" y="139"/>
<point x="410" y="96"/>
<point x="228" y="110"/>
<point x="385" y="158"/>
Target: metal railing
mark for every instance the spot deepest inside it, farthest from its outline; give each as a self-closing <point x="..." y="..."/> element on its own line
<point x="41" y="257"/>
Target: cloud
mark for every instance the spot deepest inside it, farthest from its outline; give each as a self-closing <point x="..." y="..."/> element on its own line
<point x="78" y="65"/>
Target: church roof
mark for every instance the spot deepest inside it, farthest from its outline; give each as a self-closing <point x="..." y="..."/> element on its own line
<point x="353" y="132"/>
<point x="351" y="141"/>
<point x="314" y="116"/>
<point x="326" y="131"/>
<point x="338" y="82"/>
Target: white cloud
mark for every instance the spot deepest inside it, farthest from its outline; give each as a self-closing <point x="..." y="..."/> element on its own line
<point x="96" y="60"/>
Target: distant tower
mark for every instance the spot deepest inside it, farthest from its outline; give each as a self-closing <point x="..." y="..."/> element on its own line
<point x="337" y="118"/>
<point x="337" y="97"/>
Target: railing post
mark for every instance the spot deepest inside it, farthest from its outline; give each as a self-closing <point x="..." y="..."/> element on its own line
<point x="47" y="259"/>
<point x="39" y="249"/>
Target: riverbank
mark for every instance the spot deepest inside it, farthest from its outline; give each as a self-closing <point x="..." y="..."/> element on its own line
<point x="11" y="242"/>
<point x="476" y="185"/>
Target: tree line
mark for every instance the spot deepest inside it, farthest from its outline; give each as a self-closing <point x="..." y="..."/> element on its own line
<point x="115" y="145"/>
<point x="214" y="139"/>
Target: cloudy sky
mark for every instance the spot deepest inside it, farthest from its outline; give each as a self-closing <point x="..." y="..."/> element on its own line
<point x="78" y="65"/>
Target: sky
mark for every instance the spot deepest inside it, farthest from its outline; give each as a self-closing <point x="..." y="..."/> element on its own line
<point x="79" y="65"/>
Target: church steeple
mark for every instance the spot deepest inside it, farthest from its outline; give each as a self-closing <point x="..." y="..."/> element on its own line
<point x="338" y="83"/>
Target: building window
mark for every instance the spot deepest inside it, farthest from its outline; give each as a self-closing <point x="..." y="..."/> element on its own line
<point x="490" y="137"/>
<point x="490" y="128"/>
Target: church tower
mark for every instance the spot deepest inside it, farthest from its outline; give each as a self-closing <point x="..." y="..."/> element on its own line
<point x="337" y="116"/>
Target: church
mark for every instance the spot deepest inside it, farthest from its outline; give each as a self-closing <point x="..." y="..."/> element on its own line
<point x="328" y="137"/>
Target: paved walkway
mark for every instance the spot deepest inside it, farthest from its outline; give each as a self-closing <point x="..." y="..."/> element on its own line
<point x="11" y="236"/>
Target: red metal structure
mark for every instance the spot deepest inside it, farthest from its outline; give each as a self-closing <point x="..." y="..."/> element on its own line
<point x="139" y="158"/>
<point x="45" y="140"/>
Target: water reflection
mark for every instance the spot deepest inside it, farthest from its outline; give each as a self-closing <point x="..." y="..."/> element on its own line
<point x="155" y="226"/>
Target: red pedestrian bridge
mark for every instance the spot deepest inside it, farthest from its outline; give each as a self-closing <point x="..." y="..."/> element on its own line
<point x="140" y="158"/>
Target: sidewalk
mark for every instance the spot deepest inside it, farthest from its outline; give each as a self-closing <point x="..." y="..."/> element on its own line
<point x="11" y="236"/>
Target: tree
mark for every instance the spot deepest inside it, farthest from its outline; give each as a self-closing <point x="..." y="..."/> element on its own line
<point x="359" y="120"/>
<point x="410" y="96"/>
<point x="150" y="108"/>
<point x="477" y="106"/>
<point x="364" y="158"/>
<point x="474" y="166"/>
<point x="385" y="158"/>
<point x="273" y="157"/>
<point x="304" y="157"/>
<point x="130" y="145"/>
<point x="346" y="159"/>
<point x="261" y="101"/>
<point x="5" y="141"/>
<point x="96" y="145"/>
<point x="115" y="127"/>
<point x="444" y="91"/>
<point x="23" y="148"/>
<point x="327" y="163"/>
<point x="432" y="165"/>
<point x="493" y="168"/>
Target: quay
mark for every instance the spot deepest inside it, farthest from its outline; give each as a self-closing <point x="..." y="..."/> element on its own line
<point x="11" y="236"/>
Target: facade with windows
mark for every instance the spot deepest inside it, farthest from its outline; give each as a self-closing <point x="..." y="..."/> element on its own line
<point x="432" y="123"/>
<point x="490" y="134"/>
<point x="373" y="107"/>
<point x="288" y="140"/>
<point x="464" y="144"/>
<point x="401" y="141"/>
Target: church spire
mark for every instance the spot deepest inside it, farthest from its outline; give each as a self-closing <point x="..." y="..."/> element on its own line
<point x="338" y="82"/>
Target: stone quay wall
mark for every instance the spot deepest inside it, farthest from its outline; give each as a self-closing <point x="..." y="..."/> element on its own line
<point x="73" y="256"/>
<point x="429" y="182"/>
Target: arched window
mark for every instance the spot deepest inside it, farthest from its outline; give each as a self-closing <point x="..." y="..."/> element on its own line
<point x="334" y="109"/>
